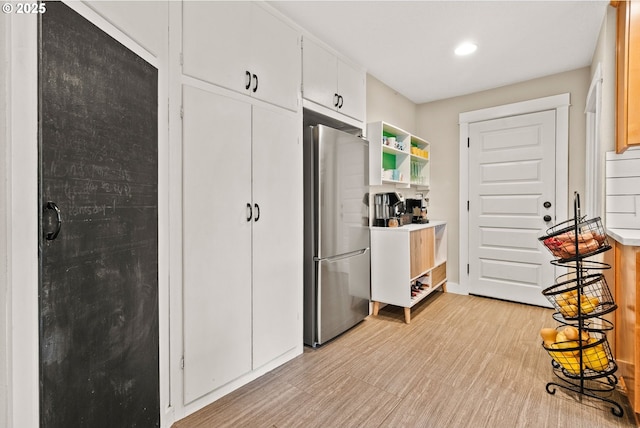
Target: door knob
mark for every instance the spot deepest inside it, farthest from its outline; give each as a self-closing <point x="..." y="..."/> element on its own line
<point x="547" y="204"/>
<point x="547" y="218"/>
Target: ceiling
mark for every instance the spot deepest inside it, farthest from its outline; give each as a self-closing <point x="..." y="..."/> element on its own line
<point x="408" y="45"/>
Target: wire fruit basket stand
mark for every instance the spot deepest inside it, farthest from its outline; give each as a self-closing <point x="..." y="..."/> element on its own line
<point x="581" y="356"/>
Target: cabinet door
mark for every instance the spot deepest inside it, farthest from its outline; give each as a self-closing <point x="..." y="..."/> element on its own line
<point x="320" y="74"/>
<point x="277" y="234"/>
<point x="275" y="60"/>
<point x="628" y="75"/>
<point x="216" y="42"/>
<point x="352" y="89"/>
<point x="422" y="251"/>
<point x="216" y="241"/>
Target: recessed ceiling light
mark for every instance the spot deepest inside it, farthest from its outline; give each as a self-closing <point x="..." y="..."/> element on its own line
<point x="466" y="48"/>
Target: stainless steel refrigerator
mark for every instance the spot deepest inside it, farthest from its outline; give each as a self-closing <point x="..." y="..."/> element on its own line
<point x="336" y="242"/>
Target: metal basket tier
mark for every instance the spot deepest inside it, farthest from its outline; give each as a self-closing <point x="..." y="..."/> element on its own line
<point x="561" y="240"/>
<point x="584" y="297"/>
<point x="595" y="324"/>
<point x="588" y="358"/>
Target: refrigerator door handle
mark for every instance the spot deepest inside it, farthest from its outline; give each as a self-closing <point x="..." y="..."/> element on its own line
<point x="341" y="256"/>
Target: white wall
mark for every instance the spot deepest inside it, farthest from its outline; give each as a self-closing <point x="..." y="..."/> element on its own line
<point x="385" y="104"/>
<point x="4" y="136"/>
<point x="605" y="55"/>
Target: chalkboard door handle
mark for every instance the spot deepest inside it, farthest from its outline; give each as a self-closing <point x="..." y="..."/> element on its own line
<point x="248" y="85"/>
<point x="249" y="212"/>
<point x="50" y="236"/>
<point x="257" y="212"/>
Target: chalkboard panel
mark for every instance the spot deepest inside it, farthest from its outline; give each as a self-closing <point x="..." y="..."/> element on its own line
<point x="98" y="131"/>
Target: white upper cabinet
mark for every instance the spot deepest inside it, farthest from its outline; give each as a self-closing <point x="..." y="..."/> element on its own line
<point x="352" y="89"/>
<point x="216" y="41"/>
<point x="243" y="47"/>
<point x="320" y="74"/>
<point x="276" y="62"/>
<point x="332" y="82"/>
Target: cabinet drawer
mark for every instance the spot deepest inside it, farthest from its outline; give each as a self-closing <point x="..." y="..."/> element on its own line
<point x="439" y="274"/>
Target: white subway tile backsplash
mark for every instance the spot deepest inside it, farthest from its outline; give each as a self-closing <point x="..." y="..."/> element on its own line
<point x="622" y="189"/>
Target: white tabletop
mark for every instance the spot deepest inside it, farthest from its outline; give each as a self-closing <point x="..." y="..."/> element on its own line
<point x="629" y="237"/>
<point x="412" y="226"/>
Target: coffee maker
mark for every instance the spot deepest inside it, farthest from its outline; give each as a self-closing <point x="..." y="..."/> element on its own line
<point x="386" y="206"/>
<point x="417" y="207"/>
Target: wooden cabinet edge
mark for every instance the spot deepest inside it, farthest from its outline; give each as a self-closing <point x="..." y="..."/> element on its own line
<point x="621" y="74"/>
<point x="627" y="66"/>
<point x="626" y="348"/>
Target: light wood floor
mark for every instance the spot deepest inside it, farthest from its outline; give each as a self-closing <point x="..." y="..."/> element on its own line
<point x="464" y="361"/>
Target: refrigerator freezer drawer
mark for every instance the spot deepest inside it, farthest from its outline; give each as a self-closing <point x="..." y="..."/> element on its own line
<point x="343" y="292"/>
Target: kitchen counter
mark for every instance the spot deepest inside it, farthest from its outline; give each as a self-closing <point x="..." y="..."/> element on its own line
<point x="630" y="237"/>
<point x="412" y="227"/>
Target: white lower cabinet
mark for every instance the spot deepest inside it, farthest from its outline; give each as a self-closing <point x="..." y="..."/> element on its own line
<point x="242" y="238"/>
<point x="407" y="264"/>
<point x="277" y="234"/>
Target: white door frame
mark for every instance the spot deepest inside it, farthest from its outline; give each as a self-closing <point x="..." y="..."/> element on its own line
<point x="560" y="103"/>
<point x="594" y="164"/>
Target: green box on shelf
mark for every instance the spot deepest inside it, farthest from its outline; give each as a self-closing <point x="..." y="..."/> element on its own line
<point x="388" y="161"/>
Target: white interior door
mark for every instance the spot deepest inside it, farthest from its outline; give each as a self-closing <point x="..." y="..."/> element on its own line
<point x="216" y="241"/>
<point x="512" y="175"/>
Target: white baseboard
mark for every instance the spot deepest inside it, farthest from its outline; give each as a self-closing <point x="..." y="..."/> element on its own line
<point x="455" y="288"/>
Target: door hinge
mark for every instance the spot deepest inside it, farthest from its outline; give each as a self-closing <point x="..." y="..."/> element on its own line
<point x="181" y="112"/>
<point x="182" y="363"/>
<point x="181" y="59"/>
<point x="468" y="142"/>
